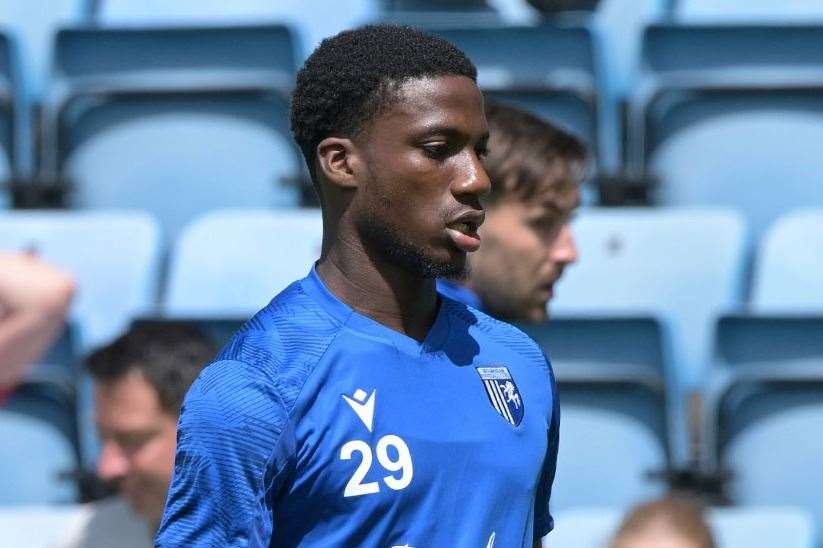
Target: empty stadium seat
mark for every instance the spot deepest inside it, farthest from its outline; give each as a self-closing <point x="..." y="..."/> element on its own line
<point x="33" y="456"/>
<point x="546" y="69"/>
<point x="788" y="274"/>
<point x="175" y="121"/>
<point x="38" y="526"/>
<point x="684" y="266"/>
<point x="233" y="262"/>
<point x="764" y="408"/>
<point x="313" y="19"/>
<point x="113" y="256"/>
<point x="746" y="527"/>
<point x="610" y="374"/>
<point x="723" y="111"/>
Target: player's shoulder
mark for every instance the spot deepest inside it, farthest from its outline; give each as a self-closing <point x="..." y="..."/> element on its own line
<point x="482" y="325"/>
<point x="293" y="327"/>
<point x="275" y="350"/>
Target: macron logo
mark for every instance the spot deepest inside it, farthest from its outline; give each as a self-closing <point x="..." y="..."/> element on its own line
<point x="364" y="407"/>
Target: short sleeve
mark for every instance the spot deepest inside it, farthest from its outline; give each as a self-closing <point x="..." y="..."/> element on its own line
<point x="543" y="521"/>
<point x="229" y="444"/>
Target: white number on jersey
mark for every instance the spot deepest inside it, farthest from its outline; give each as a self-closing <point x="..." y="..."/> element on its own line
<point x="402" y="464"/>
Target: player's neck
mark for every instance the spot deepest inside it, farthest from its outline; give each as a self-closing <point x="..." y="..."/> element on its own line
<point x="383" y="292"/>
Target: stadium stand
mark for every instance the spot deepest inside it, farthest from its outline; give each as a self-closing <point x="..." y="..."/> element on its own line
<point x="37" y="526"/>
<point x="747" y="100"/>
<point x="173" y="121"/>
<point x="113" y="256"/>
<point x="766" y="396"/>
<point x="611" y="376"/>
<point x="756" y="527"/>
<point x="231" y="263"/>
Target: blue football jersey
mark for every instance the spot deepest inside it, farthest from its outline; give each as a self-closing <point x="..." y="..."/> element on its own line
<point x="317" y="426"/>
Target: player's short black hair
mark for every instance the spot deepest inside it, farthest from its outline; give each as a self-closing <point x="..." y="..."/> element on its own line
<point x="169" y="355"/>
<point x="352" y="76"/>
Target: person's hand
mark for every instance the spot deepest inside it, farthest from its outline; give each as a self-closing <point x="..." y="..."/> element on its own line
<point x="28" y="283"/>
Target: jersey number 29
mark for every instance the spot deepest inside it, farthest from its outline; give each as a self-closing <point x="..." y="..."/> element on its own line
<point x="403" y="464"/>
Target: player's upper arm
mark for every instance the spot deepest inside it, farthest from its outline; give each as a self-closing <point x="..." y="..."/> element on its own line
<point x="228" y="440"/>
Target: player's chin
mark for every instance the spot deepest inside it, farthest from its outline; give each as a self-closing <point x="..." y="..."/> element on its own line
<point x="454" y="265"/>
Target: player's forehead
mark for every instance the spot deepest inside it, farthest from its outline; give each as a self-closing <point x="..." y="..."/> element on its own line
<point x="448" y="103"/>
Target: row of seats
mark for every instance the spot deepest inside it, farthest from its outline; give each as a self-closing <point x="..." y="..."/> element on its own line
<point x="635" y="327"/>
<point x="198" y="118"/>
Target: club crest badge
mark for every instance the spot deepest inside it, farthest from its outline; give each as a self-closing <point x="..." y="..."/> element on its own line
<point x="503" y="393"/>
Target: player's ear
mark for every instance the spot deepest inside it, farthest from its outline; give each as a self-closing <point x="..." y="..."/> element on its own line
<point x="338" y="161"/>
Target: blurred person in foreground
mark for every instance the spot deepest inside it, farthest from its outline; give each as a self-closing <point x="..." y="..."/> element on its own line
<point x="140" y="380"/>
<point x="34" y="301"/>
<point x="360" y="407"/>
<point x="670" y="522"/>
<point x="536" y="170"/>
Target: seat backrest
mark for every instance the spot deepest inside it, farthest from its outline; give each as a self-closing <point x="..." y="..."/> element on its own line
<point x="314" y="19"/>
<point x="233" y="262"/>
<point x="113" y="256"/>
<point x="766" y="11"/>
<point x="684" y="266"/>
<point x="669" y="48"/>
<point x="788" y="274"/>
<point x="33" y="456"/>
<point x="765" y="441"/>
<point x="545" y="55"/>
<point x="107" y="52"/>
<point x="624" y="423"/>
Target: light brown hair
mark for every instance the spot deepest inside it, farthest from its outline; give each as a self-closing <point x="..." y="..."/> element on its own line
<point x="680" y="516"/>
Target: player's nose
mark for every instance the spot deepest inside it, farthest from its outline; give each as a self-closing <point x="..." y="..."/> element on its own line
<point x="112" y="464"/>
<point x="564" y="248"/>
<point x="473" y="179"/>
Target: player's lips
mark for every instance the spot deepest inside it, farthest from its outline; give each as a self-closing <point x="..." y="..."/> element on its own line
<point x="463" y="230"/>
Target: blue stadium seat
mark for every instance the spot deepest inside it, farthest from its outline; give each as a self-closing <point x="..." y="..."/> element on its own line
<point x="764" y="409"/>
<point x="682" y="266"/>
<point x="33" y="456"/>
<point x="610" y="374"/>
<point x="749" y="11"/>
<point x="233" y="262"/>
<point x="113" y="256"/>
<point x="723" y="111"/>
<point x="174" y="121"/>
<point x="788" y="274"/>
<point x="312" y="19"/>
<point x="746" y="527"/>
<point x="545" y="69"/>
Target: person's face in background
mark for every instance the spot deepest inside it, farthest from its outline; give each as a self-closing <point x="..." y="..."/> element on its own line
<point x="655" y="537"/>
<point x="526" y="247"/>
<point x="138" y="440"/>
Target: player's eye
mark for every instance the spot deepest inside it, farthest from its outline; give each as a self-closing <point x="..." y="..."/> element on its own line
<point x="436" y="151"/>
<point x="482" y="152"/>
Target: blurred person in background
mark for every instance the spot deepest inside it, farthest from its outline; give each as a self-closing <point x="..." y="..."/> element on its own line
<point x="34" y="300"/>
<point x="535" y="169"/>
<point x="670" y="522"/>
<point x="139" y="383"/>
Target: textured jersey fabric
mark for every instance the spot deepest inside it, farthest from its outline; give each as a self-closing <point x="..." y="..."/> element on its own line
<point x="318" y="426"/>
